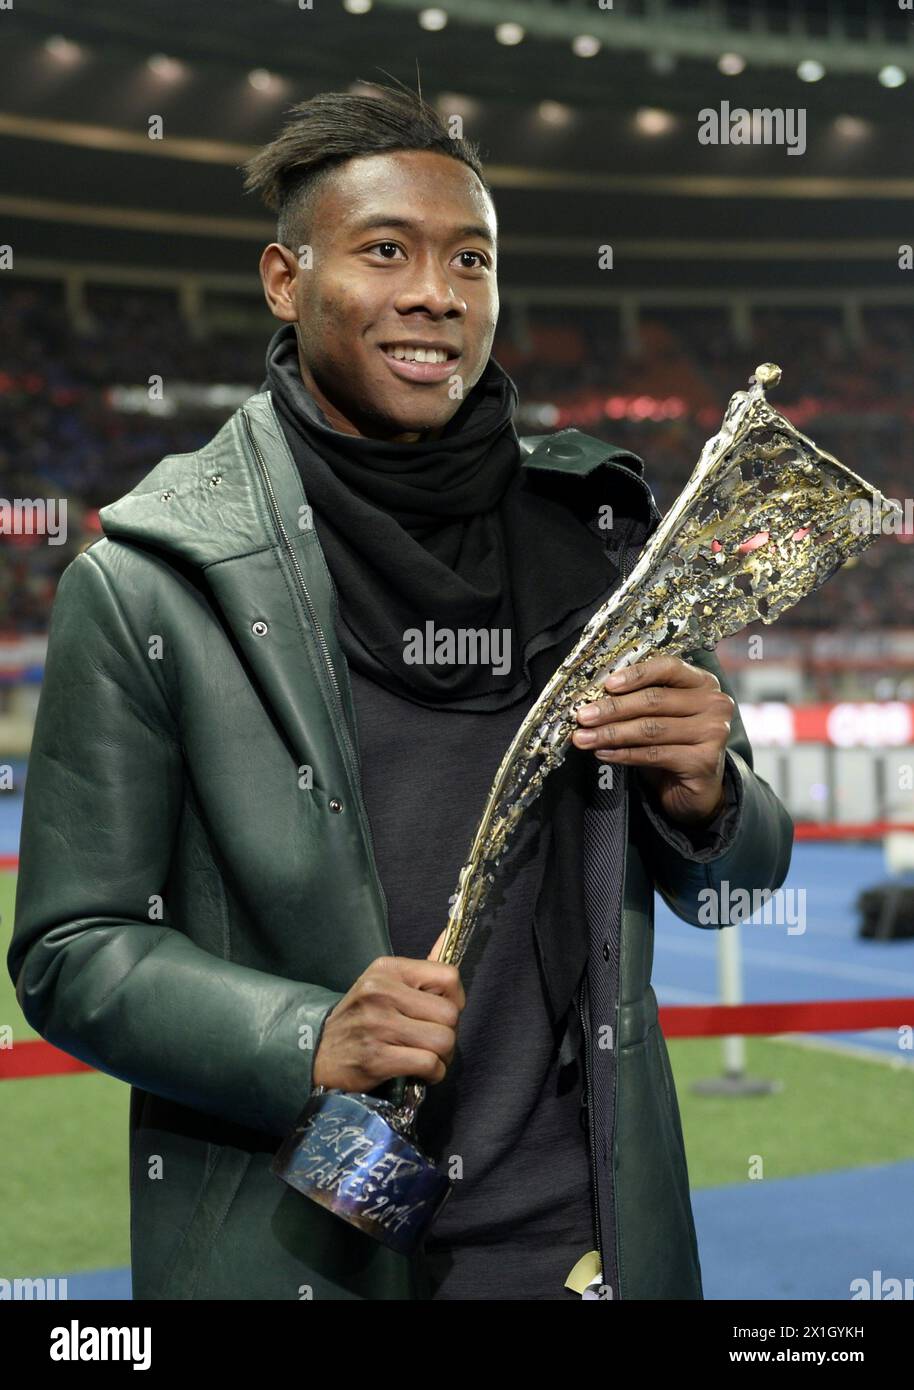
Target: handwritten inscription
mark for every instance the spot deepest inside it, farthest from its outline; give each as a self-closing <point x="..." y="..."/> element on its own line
<point x="347" y="1161"/>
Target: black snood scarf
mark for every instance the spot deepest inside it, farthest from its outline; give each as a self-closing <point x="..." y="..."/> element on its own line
<point x="440" y="536"/>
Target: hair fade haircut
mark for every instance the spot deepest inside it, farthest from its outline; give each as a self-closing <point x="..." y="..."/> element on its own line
<point x="334" y="127"/>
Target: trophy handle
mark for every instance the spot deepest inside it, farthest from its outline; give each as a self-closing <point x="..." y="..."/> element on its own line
<point x="403" y="1116"/>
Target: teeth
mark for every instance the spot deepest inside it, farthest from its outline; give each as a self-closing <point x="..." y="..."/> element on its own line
<point x="418" y="354"/>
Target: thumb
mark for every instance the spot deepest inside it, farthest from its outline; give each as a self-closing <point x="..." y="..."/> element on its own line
<point x="433" y="953"/>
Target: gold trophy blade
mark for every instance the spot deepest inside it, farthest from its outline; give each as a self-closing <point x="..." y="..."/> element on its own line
<point x="765" y="519"/>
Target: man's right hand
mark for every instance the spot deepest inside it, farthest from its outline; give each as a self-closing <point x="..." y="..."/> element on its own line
<point x="398" y="1019"/>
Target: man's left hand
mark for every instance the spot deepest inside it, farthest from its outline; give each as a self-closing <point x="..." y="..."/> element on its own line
<point x="671" y="721"/>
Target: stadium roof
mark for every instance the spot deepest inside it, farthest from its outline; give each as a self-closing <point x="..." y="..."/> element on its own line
<point x="581" y="151"/>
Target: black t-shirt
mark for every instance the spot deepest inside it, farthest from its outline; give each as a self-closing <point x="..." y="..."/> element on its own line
<point x="505" y="1117"/>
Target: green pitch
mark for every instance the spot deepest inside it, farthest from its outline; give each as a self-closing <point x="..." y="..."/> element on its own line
<point x="64" y="1163"/>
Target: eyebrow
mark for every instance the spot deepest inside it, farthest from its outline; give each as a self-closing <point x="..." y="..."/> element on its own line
<point x="470" y="229"/>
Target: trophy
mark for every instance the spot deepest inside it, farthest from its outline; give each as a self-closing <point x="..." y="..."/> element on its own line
<point x="766" y="518"/>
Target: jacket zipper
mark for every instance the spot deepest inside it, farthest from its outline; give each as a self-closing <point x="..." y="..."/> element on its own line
<point x="325" y="651"/>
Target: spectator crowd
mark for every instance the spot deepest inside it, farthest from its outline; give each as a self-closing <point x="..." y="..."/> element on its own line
<point x="63" y="434"/>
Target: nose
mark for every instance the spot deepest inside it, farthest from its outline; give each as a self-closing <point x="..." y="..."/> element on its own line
<point x="429" y="288"/>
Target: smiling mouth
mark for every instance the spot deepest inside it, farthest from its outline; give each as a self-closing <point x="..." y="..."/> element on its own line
<point x="419" y="354"/>
<point x="420" y="364"/>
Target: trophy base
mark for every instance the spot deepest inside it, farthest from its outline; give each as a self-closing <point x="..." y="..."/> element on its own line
<point x="346" y="1155"/>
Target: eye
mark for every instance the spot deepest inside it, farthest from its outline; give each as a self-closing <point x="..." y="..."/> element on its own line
<point x="392" y="245"/>
<point x="483" y="259"/>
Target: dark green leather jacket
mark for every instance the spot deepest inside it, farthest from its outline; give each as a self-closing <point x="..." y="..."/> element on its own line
<point x="187" y="914"/>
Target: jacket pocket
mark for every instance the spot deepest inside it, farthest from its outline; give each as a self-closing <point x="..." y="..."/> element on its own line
<point x="656" y="1242"/>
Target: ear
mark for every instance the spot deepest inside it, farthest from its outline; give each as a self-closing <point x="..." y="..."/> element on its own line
<point x="278" y="274"/>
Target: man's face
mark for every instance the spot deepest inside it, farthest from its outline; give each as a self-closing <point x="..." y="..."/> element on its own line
<point x="403" y="253"/>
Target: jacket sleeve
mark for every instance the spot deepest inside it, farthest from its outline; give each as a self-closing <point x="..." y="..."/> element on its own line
<point x="749" y="846"/>
<point x="94" y="975"/>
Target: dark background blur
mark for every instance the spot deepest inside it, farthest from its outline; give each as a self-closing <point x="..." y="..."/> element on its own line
<point x="125" y="258"/>
<point x="134" y="256"/>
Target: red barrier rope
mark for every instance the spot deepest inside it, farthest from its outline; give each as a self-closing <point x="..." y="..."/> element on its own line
<point x="804" y="1016"/>
<point x="803" y="830"/>
<point x="33" y="1058"/>
<point x="36" y="1058"/>
<point x="835" y="830"/>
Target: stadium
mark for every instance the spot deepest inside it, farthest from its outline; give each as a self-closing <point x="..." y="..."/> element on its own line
<point x="644" y="273"/>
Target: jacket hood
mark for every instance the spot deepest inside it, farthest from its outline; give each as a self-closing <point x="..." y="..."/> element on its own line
<point x="207" y="505"/>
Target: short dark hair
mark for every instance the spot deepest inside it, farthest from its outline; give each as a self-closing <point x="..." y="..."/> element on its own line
<point x="330" y="129"/>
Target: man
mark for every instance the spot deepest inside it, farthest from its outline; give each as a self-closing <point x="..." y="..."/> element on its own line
<point x="258" y="763"/>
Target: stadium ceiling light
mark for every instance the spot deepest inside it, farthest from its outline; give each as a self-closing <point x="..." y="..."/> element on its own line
<point x="585" y="45"/>
<point x="509" y="33"/>
<point x="456" y="104"/>
<point x="731" y="64"/>
<point x="165" y="67"/>
<point x="263" y="81"/>
<point x="892" y="75"/>
<point x="433" y="19"/>
<point x="851" y="127"/>
<point x="553" y="113"/>
<point x="810" y="70"/>
<point x="650" y="120"/>
<point x="63" y="50"/>
<point x="357" y="6"/>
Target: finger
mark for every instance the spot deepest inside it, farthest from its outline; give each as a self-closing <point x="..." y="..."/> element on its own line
<point x="651" y="700"/>
<point x="425" y="974"/>
<point x="670" y="758"/>
<point x="425" y="1036"/>
<point x="422" y="1004"/>
<point x="410" y="1061"/>
<point x="695" y="760"/>
<point x="659" y="670"/>
<point x="633" y="733"/>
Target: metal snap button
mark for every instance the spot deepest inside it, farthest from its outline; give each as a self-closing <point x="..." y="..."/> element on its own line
<point x="167" y="496"/>
<point x="259" y="628"/>
<point x="563" y="449"/>
<point x="215" y="480"/>
<point x="336" y="805"/>
<point x="606" y="950"/>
